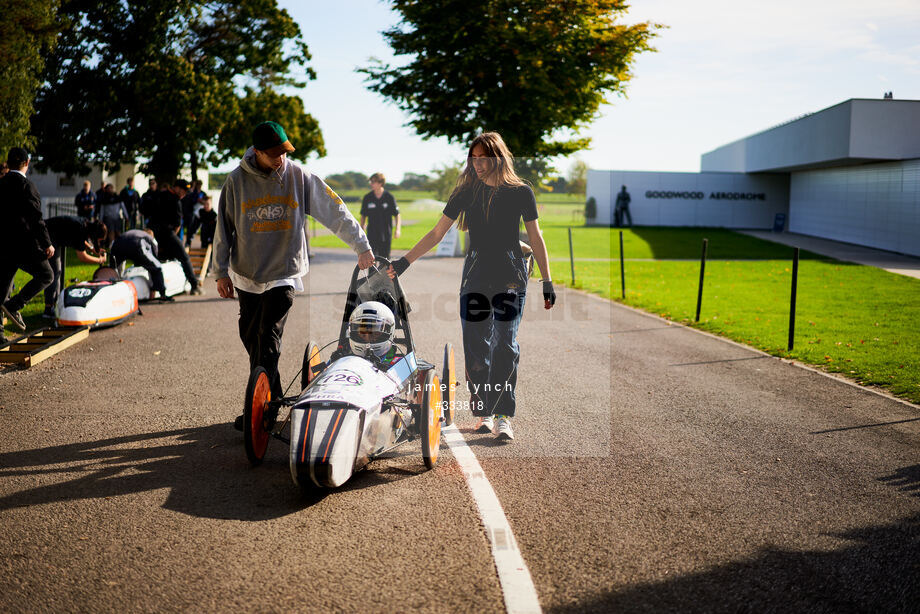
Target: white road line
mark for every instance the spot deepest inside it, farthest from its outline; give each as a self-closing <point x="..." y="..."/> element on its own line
<point x="513" y="575"/>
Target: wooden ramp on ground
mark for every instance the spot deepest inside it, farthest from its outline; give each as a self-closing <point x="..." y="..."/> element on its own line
<point x="201" y="261"/>
<point x="34" y="347"/>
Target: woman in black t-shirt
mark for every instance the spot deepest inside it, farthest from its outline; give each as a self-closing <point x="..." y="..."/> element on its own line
<point x="489" y="201"/>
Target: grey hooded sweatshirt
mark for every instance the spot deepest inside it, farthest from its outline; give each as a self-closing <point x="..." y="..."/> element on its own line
<point x="261" y="226"/>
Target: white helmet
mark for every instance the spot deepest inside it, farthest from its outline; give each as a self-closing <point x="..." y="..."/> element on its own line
<point x="370" y="329"/>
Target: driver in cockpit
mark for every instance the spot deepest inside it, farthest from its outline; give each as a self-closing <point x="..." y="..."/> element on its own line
<point x="371" y="328"/>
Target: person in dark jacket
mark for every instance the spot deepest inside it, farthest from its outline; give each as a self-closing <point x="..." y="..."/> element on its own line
<point x="147" y="199"/>
<point x="132" y="201"/>
<point x="85" y="201"/>
<point x="208" y="217"/>
<point x="140" y="247"/>
<point x="80" y="235"/>
<point x="164" y="217"/>
<point x="24" y="240"/>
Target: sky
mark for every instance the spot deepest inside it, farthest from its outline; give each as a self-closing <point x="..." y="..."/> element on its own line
<point x="724" y="69"/>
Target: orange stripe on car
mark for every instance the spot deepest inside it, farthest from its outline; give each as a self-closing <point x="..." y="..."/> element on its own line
<point x="335" y="427"/>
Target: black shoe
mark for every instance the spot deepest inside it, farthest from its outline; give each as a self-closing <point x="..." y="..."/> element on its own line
<point x="15" y="317"/>
<point x="238" y="423"/>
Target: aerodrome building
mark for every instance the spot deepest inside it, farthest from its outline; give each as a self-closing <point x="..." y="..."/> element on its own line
<point x="850" y="173"/>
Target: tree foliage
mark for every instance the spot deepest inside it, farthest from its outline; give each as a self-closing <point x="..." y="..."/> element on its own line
<point x="578" y="177"/>
<point x="536" y="71"/>
<point x="171" y="81"/>
<point x="27" y="33"/>
<point x="445" y="179"/>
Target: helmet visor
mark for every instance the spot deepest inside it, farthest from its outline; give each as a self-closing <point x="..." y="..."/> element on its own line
<point x="368" y="332"/>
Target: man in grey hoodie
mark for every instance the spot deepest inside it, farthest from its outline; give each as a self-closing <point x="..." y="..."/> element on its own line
<point x="260" y="247"/>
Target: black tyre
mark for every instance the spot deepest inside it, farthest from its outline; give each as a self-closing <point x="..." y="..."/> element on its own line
<point x="256" y="429"/>
<point x="311" y="365"/>
<point x="430" y="419"/>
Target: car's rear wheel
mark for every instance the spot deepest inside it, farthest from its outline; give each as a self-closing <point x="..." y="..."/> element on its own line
<point x="430" y="419"/>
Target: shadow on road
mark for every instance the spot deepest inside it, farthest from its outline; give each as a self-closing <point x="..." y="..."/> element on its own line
<point x="906" y="479"/>
<point x="204" y="468"/>
<point x="879" y="571"/>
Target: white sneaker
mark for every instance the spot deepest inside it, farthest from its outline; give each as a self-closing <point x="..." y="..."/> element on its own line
<point x="486" y="424"/>
<point x="504" y="428"/>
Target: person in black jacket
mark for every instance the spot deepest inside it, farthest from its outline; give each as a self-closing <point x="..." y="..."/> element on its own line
<point x="132" y="201"/>
<point x="164" y="218"/>
<point x="24" y="242"/>
<point x="85" y="201"/>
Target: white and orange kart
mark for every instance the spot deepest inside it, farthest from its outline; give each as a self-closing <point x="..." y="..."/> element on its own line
<point x="352" y="409"/>
<point x="173" y="279"/>
<point x="107" y="300"/>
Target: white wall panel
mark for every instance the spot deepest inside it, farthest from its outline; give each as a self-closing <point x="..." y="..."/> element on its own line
<point x="879" y="207"/>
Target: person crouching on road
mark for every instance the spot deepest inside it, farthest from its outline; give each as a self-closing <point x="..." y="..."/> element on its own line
<point x="489" y="200"/>
<point x="260" y="249"/>
<point x="140" y="247"/>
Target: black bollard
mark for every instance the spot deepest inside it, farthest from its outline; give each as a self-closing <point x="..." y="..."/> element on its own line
<point x="795" y="281"/>
<point x="622" y="269"/>
<point x="699" y="296"/>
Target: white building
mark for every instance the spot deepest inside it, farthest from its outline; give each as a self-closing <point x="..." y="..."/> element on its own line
<point x="849" y="173"/>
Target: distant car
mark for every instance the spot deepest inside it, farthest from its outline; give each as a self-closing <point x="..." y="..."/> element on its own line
<point x="351" y="409"/>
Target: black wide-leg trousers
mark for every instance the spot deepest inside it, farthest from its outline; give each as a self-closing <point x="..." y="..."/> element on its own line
<point x="262" y="320"/>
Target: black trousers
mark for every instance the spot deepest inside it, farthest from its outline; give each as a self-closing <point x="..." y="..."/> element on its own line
<point x="169" y="247"/>
<point x="41" y="273"/>
<point x="262" y="319"/>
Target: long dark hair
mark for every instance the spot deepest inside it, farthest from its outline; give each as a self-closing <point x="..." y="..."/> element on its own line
<point x="501" y="169"/>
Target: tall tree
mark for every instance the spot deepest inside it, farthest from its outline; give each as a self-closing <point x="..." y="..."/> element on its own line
<point x="27" y="33"/>
<point x="170" y="81"/>
<point x="535" y="71"/>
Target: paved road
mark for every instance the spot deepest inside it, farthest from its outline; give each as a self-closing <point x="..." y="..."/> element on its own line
<point x="655" y="469"/>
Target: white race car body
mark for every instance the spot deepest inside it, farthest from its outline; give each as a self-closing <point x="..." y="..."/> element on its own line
<point x="96" y="304"/>
<point x="341" y="420"/>
<point x="173" y="278"/>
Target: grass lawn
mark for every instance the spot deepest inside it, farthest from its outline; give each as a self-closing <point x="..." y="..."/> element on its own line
<point x="852" y="319"/>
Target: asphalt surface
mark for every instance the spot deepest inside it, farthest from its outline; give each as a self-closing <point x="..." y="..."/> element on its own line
<point x="654" y="469"/>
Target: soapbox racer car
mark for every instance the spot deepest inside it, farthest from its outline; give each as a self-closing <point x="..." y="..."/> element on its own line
<point x="351" y="409"/>
<point x="112" y="297"/>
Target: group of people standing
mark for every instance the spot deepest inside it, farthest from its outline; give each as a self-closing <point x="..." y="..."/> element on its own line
<point x="97" y="234"/>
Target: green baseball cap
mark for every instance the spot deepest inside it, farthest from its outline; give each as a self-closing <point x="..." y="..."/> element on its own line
<point x="271" y="138"/>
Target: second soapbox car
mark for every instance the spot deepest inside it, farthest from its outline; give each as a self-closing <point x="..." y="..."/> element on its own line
<point x="351" y="409"/>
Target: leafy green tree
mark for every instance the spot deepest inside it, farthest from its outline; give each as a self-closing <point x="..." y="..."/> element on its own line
<point x="578" y="177"/>
<point x="414" y="181"/>
<point x="536" y="71"/>
<point x="349" y="180"/>
<point x="169" y="81"/>
<point x="27" y="33"/>
<point x="445" y="179"/>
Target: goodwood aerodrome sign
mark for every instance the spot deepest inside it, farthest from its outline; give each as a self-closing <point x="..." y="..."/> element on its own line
<point x="701" y="195"/>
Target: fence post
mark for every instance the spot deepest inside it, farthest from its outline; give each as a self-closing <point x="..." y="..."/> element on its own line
<point x="795" y="281"/>
<point x="622" y="269"/>
<point x="699" y="296"/>
<point x="571" y="256"/>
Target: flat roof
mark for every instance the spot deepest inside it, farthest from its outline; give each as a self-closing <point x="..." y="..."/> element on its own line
<point x="855" y="131"/>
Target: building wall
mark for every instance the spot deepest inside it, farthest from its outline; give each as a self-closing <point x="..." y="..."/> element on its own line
<point x="875" y="205"/>
<point x="729" y="200"/>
